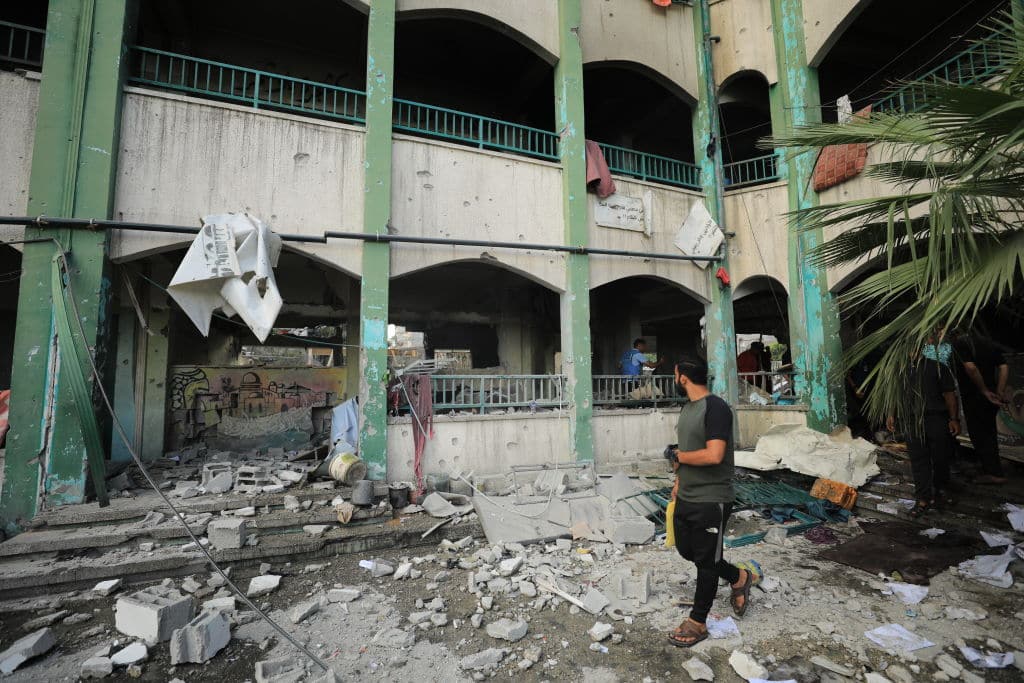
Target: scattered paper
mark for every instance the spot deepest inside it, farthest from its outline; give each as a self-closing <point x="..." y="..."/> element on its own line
<point x="230" y="266"/>
<point x="954" y="613"/>
<point x="896" y="638"/>
<point x="722" y="628"/>
<point x="991" y="660"/>
<point x="933" y="532"/>
<point x="995" y="540"/>
<point x="990" y="569"/>
<point x="906" y="503"/>
<point x="908" y="593"/>
<point x="1016" y="519"/>
<point x="888" y="508"/>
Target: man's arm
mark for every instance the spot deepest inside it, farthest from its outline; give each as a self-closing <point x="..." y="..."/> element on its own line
<point x="1004" y="377"/>
<point x="953" y="410"/>
<point x="712" y="454"/>
<point x="972" y="371"/>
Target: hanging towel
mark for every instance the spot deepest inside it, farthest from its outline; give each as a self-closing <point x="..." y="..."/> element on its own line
<point x="599" y="178"/>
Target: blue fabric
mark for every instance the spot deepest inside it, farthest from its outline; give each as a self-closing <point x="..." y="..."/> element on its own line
<point x="828" y="511"/>
<point x="632" y="362"/>
<point x="941" y="354"/>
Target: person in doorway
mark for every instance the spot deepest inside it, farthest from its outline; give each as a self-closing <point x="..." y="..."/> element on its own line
<point x="703" y="463"/>
<point x="982" y="373"/>
<point x="635" y="359"/>
<point x="750" y="362"/>
<point x="933" y="420"/>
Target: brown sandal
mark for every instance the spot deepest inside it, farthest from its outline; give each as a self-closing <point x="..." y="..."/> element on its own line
<point x="742" y="592"/>
<point x="688" y="634"/>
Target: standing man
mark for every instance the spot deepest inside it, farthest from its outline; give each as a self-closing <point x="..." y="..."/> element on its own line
<point x="703" y="462"/>
<point x="933" y="419"/>
<point x="982" y="373"/>
<point x="635" y="359"/>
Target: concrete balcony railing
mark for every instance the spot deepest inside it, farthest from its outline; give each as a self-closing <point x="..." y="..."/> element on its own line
<point x="21" y="45"/>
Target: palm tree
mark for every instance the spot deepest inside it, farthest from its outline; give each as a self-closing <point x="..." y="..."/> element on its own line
<point x="951" y="234"/>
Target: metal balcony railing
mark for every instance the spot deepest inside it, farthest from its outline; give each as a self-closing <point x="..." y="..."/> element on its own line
<point x="629" y="390"/>
<point x="21" y="45"/>
<point x="248" y="86"/>
<point x="480" y="131"/>
<point x="768" y="387"/>
<point x="651" y="167"/>
<point x="974" y="65"/>
<point x="763" y="169"/>
<point x="481" y="393"/>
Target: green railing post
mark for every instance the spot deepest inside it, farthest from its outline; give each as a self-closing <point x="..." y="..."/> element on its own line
<point x="256" y="92"/>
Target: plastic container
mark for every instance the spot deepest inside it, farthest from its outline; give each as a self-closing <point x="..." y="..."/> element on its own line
<point x="398" y="496"/>
<point x="362" y="492"/>
<point x="347" y="468"/>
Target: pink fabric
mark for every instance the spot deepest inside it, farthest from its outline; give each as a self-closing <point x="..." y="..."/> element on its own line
<point x="599" y="178"/>
<point x="420" y="395"/>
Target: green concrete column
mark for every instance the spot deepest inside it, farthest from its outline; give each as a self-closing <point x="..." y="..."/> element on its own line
<point x="124" y="384"/>
<point x="576" y="353"/>
<point x="154" y="352"/>
<point x="73" y="168"/>
<point x="373" y="300"/>
<point x="813" y="318"/>
<point x="720" y="327"/>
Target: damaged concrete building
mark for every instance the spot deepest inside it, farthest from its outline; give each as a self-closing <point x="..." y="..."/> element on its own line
<point x="424" y="163"/>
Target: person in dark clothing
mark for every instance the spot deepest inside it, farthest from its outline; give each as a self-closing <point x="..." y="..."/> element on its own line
<point x="703" y="463"/>
<point x="982" y="373"/>
<point x="933" y="421"/>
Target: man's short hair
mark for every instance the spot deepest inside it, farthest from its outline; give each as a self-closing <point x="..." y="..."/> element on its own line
<point x="759" y="346"/>
<point x="694" y="370"/>
<point x="638" y="341"/>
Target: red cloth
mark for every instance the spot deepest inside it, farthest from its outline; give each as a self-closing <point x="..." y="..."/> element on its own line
<point x="748" y="361"/>
<point x="599" y="178"/>
<point x="662" y="3"/>
<point x="839" y="163"/>
<point x="5" y="406"/>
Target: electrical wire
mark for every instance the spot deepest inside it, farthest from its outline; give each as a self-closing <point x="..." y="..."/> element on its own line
<point x="98" y="383"/>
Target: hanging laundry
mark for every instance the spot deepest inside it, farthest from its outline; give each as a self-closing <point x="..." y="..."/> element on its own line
<point x="839" y="163"/>
<point x="599" y="177"/>
<point x="419" y="394"/>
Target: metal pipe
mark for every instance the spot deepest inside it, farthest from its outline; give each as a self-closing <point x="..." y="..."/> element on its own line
<point x="91" y="223"/>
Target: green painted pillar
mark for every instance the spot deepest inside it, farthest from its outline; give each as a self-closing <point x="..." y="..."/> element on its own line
<point x="155" y="356"/>
<point x="813" y="318"/>
<point x="576" y="354"/>
<point x="73" y="169"/>
<point x="720" y="329"/>
<point x="373" y="299"/>
<point x="124" y="384"/>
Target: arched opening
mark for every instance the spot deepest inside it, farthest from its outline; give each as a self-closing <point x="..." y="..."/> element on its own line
<point x="449" y="71"/>
<point x="22" y="34"/>
<point x="228" y="391"/>
<point x="256" y="52"/>
<point x="663" y="314"/>
<point x="475" y="317"/>
<point x="896" y="41"/>
<point x="745" y="117"/>
<point x="761" y="315"/>
<point x="658" y="123"/>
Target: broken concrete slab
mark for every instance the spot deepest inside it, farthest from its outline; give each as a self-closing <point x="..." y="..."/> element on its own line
<point x="132" y="654"/>
<point x="630" y="530"/>
<point x="485" y="659"/>
<point x="45" y="620"/>
<point x="153" y="613"/>
<point x="105" y="588"/>
<point x="698" y="670"/>
<point x="343" y="594"/>
<point x="600" y="631"/>
<point x="96" y="667"/>
<point x="304" y="610"/>
<point x="745" y="666"/>
<point x="281" y="670"/>
<point x="263" y="584"/>
<point x="594" y="601"/>
<point x="228" y="532"/>
<point x="24" y="649"/>
<point x="200" y="639"/>
<point x="507" y="629"/>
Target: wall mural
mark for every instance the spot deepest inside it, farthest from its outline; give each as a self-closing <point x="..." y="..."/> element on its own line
<point x="207" y="402"/>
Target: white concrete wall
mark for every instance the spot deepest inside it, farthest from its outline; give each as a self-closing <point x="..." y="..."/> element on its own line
<point x="755" y="420"/>
<point x="824" y="23"/>
<point x="757" y="216"/>
<point x="670" y="208"/>
<point x="19" y="102"/>
<point x="183" y="157"/>
<point x="637" y="31"/>
<point x="535" y="21"/>
<point x="745" y="27"/>
<point x="450" y="191"/>
<point x="488" y="444"/>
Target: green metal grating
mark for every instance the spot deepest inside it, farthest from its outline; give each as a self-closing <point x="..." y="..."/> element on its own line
<point x="751" y="493"/>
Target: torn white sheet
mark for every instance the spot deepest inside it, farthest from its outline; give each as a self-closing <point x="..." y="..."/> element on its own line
<point x="896" y="638"/>
<point x="722" y="628"/>
<point x="230" y="266"/>
<point x="990" y="569"/>
<point x="345" y="423"/>
<point x="888" y="508"/>
<point x="996" y="540"/>
<point x="1016" y="518"/>
<point x="933" y="532"/>
<point x="990" y="660"/>
<point x="908" y="593"/>
<point x="797" y="448"/>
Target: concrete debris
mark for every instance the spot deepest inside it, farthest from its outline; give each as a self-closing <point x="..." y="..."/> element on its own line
<point x="132" y="654"/>
<point x="417" y="618"/>
<point x="437" y="505"/>
<point x="486" y="659"/>
<point x="507" y="629"/>
<point x="776" y="535"/>
<point x="594" y="601"/>
<point x="263" y="584"/>
<point x="24" y="649"/>
<point x="190" y="585"/>
<point x="745" y="666"/>
<point x="45" y="620"/>
<point x="343" y="594"/>
<point x="282" y="670"/>
<point x="224" y="604"/>
<point x="304" y="610"/>
<point x="829" y="665"/>
<point x="800" y="449"/>
<point x="698" y="670"/>
<point x="633" y="530"/>
<point x="402" y="571"/>
<point x="948" y="665"/>
<point x="77" y="618"/>
<point x="395" y="638"/>
<point x="96" y="667"/>
<point x="377" y="568"/>
<point x="105" y="588"/>
<point x="600" y="631"/>
<point x="510" y="566"/>
<point x="153" y="613"/>
<point x="201" y="638"/>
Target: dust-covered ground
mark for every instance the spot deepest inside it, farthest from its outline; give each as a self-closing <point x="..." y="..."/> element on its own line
<point x="806" y="608"/>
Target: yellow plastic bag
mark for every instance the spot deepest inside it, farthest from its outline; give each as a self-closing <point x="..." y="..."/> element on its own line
<point x="670" y="535"/>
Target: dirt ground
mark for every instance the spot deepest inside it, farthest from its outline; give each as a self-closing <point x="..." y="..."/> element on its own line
<point x="812" y="607"/>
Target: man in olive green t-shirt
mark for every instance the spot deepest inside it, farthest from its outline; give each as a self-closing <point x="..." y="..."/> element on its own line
<point x="703" y="462"/>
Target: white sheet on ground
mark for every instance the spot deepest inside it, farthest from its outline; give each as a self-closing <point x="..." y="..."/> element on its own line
<point x="230" y="266"/>
<point x="722" y="628"/>
<point x="991" y="569"/>
<point x="795" y="447"/>
<point x="996" y="540"/>
<point x="990" y="660"/>
<point x="908" y="593"/>
<point x="896" y="638"/>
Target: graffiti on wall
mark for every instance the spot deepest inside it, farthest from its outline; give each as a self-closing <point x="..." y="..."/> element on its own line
<point x="249" y="400"/>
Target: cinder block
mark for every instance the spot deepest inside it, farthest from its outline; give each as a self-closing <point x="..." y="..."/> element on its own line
<point x="228" y="532"/>
<point x="201" y="638"/>
<point x="153" y="614"/>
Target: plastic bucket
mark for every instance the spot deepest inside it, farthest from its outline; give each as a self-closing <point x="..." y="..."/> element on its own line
<point x="398" y="496"/>
<point x="347" y="468"/>
<point x="362" y="492"/>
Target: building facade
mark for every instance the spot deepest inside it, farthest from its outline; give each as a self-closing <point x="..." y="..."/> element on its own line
<point x="426" y="161"/>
